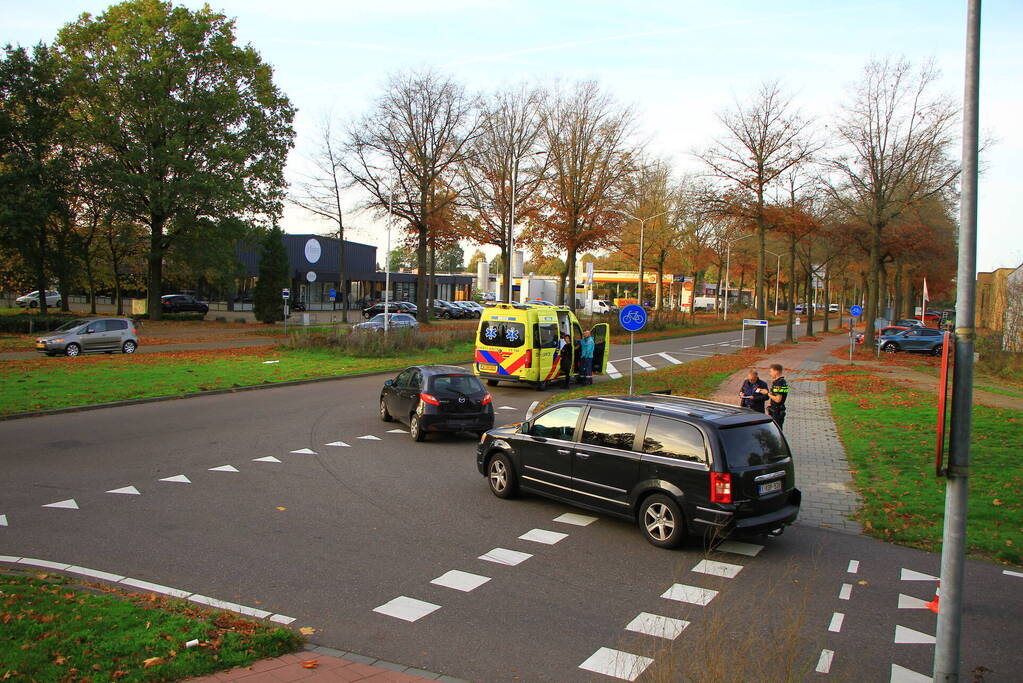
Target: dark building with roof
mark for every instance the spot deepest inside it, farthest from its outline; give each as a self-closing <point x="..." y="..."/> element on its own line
<point x="314" y="270"/>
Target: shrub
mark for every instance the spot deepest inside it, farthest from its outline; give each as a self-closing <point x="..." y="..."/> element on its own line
<point x="377" y="345"/>
<point x="173" y="316"/>
<point x="29" y="323"/>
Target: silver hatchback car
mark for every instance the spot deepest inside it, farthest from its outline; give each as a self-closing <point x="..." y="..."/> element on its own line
<point x="90" y="335"/>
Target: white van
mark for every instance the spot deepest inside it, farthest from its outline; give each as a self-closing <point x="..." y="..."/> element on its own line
<point x="599" y="306"/>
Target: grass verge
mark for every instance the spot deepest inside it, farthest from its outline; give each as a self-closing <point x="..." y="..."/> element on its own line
<point x="888" y="434"/>
<point x="46" y="383"/>
<point x="54" y="630"/>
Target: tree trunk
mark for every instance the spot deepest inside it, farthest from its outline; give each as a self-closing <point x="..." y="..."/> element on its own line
<point x="897" y="288"/>
<point x="809" y="298"/>
<point x="431" y="291"/>
<point x="759" y="333"/>
<point x="423" y="314"/>
<point x="790" y="319"/>
<point x="570" y="267"/>
<point x="718" y="308"/>
<point x="658" y="287"/>
<point x="91" y="284"/>
<point x="827" y="299"/>
<point x="155" y="260"/>
<point x="873" y="277"/>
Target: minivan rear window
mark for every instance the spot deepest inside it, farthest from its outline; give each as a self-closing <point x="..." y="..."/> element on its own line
<point x="751" y="445"/>
<point x="500" y="333"/>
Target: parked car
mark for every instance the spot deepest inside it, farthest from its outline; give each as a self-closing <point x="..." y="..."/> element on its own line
<point x="395" y="321"/>
<point x="833" y="308"/>
<point x="538" y="302"/>
<point x="476" y="306"/>
<point x="90" y="335"/>
<point x="31" y="300"/>
<point x="469" y="311"/>
<point x="916" y="339"/>
<point x="800" y="308"/>
<point x="183" y="303"/>
<point x="908" y="322"/>
<point x="437" y="398"/>
<point x="890" y="330"/>
<point x="444" y="309"/>
<point x="676" y="466"/>
<point x="378" y="308"/>
<point x="407" y="307"/>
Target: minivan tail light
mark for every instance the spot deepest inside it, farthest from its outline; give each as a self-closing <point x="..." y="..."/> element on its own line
<point x="720" y="487"/>
<point x="486" y="399"/>
<point x="429" y="398"/>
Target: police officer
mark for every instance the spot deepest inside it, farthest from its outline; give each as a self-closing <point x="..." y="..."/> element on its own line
<point x="565" y="349"/>
<point x="777" y="394"/>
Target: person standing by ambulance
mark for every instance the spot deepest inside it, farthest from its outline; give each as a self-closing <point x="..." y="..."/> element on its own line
<point x="777" y="394"/>
<point x="565" y="351"/>
<point x="586" y="346"/>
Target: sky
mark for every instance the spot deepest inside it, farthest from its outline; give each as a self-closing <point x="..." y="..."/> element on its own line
<point x="677" y="62"/>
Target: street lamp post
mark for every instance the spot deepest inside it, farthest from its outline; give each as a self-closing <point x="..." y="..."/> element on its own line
<point x="642" y="229"/>
<point x="777" y="280"/>
<point x="387" y="261"/>
<point x="728" y="267"/>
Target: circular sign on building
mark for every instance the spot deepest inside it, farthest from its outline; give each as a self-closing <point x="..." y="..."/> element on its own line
<point x="632" y="317"/>
<point x="310" y="276"/>
<point x="312" y="251"/>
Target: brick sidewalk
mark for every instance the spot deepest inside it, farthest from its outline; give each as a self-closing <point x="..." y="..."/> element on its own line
<point x="822" y="472"/>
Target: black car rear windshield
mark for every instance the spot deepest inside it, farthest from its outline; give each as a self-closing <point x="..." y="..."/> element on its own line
<point x="753" y="444"/>
<point x="458" y="384"/>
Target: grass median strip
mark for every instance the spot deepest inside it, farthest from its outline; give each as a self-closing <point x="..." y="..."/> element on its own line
<point x="888" y="434"/>
<point x="54" y="630"/>
<point x="47" y="383"/>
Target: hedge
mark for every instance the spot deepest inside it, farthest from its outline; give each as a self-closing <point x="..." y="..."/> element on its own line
<point x="173" y="316"/>
<point x="31" y="323"/>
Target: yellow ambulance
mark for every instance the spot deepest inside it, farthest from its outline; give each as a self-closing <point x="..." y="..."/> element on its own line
<point x="519" y="343"/>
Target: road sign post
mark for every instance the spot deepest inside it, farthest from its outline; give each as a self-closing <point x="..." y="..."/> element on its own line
<point x="752" y="323"/>
<point x="285" y="294"/>
<point x="632" y="319"/>
<point x="854" y="312"/>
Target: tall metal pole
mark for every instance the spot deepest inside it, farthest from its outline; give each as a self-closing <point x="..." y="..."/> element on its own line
<point x="639" y="280"/>
<point x="777" y="283"/>
<point x="387" y="263"/>
<point x="511" y="236"/>
<point x="953" y="547"/>
<point x="728" y="267"/>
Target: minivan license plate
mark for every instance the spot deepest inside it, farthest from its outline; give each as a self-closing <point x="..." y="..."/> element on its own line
<point x="769" y="487"/>
<point x="487" y="368"/>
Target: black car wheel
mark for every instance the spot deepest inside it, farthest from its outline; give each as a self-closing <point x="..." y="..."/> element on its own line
<point x="492" y="382"/>
<point x="661" y="521"/>
<point x="384" y="415"/>
<point x="416" y="429"/>
<point x="33" y="304"/>
<point x="501" y="477"/>
<point x="365" y="315"/>
<point x="541" y="386"/>
<point x="129" y="347"/>
<point x="446" y="315"/>
<point x="890" y="348"/>
<point x="72" y="350"/>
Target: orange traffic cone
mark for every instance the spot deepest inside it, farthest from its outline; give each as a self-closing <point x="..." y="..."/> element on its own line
<point x="933" y="604"/>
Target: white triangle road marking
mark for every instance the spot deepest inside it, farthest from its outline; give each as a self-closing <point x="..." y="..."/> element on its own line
<point x="268" y="458"/>
<point x="369" y="437"/>
<point x="670" y="359"/>
<point x="910" y="575"/>
<point x="178" y="479"/>
<point x="128" y="490"/>
<point x="901" y="674"/>
<point x="907" y="636"/>
<point x="342" y="444"/>
<point x="909" y="602"/>
<point x="224" y="468"/>
<point x="3" y="520"/>
<point x="395" y="431"/>
<point x="304" y="451"/>
<point x="68" y="504"/>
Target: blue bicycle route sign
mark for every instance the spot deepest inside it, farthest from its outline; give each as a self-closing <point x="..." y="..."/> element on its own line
<point x="632" y="317"/>
<point x="856" y="311"/>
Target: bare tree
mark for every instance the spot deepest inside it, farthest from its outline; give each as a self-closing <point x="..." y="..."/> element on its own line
<point x="409" y="146"/>
<point x="764" y="138"/>
<point x="319" y="193"/>
<point x="588" y="137"/>
<point x="505" y="169"/>
<point x="895" y="137"/>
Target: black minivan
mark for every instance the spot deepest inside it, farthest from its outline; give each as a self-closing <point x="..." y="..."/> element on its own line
<point x="677" y="466"/>
<point x="437" y="398"/>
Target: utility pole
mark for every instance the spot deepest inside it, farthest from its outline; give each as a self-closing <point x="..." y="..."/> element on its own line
<point x="953" y="547"/>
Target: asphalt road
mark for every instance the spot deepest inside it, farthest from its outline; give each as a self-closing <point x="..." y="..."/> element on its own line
<point x="331" y="536"/>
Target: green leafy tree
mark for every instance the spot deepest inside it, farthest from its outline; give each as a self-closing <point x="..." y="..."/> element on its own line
<point x="187" y="125"/>
<point x="401" y="258"/>
<point x="273" y="277"/>
<point x="475" y="259"/>
<point x="451" y="260"/>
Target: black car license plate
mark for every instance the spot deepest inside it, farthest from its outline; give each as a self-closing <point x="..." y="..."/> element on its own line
<point x="769" y="487"/>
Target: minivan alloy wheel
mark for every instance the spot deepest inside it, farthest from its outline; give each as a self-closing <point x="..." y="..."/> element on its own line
<point x="501" y="476"/>
<point x="659" y="521"/>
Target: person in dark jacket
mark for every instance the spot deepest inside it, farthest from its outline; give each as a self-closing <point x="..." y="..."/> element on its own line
<point x="565" y="349"/>
<point x="753" y="394"/>
<point x="777" y="394"/>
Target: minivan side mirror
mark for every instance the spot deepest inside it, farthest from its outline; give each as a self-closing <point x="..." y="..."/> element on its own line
<point x="389" y="383"/>
<point x="524" y="428"/>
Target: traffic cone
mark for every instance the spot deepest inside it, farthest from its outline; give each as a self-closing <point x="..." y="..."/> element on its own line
<point x="933" y="604"/>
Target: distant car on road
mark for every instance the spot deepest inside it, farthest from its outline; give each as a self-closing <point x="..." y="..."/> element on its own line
<point x="90" y="335"/>
<point x="468" y="310"/>
<point x="908" y="322"/>
<point x="437" y="398"/>
<point x="445" y="309"/>
<point x="183" y="303"/>
<point x="916" y="339"/>
<point x="833" y="308"/>
<point x="31" y="300"/>
<point x="890" y="330"/>
<point x="392" y="307"/>
<point x="395" y="321"/>
<point x="677" y="466"/>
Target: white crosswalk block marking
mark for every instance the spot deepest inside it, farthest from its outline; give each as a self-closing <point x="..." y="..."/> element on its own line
<point x="460" y="581"/>
<point x="910" y="575"/>
<point x="340" y="444"/>
<point x="612" y="371"/>
<point x="1008" y="572"/>
<point x="127" y="490"/>
<point x="824" y="663"/>
<point x="407" y="609"/>
<point x="3" y="520"/>
<point x="723" y="569"/>
<point x="901" y="674"/>
<point x="693" y="595"/>
<point x="178" y="479"/>
<point x="837" y="619"/>
<point x="657" y="626"/>
<point x="304" y="451"/>
<point x="740" y="548"/>
<point x="396" y="431"/>
<point x="369" y="437"/>
<point x="505" y="556"/>
<point x="268" y="458"/>
<point x="909" y="602"/>
<point x="543" y="536"/>
<point x="845" y="592"/>
<point x="577" y="520"/>
<point x="643" y="364"/>
<point x="669" y="358"/>
<point x="854" y="566"/>
<point x="224" y="468"/>
<point x="907" y="636"/>
<point x="616" y="664"/>
<point x="68" y="504"/>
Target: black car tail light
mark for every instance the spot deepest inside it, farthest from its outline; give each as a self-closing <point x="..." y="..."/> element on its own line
<point x="486" y="399"/>
<point x="429" y="398"/>
<point x="720" y="487"/>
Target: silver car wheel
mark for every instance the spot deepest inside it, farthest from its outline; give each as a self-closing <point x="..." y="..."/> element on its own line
<point x="659" y="521"/>
<point x="129" y="347"/>
<point x="72" y="350"/>
<point x="498" y="476"/>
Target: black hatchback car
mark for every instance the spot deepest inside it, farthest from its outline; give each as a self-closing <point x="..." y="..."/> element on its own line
<point x="676" y="466"/>
<point x="183" y="303"/>
<point x="437" y="398"/>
